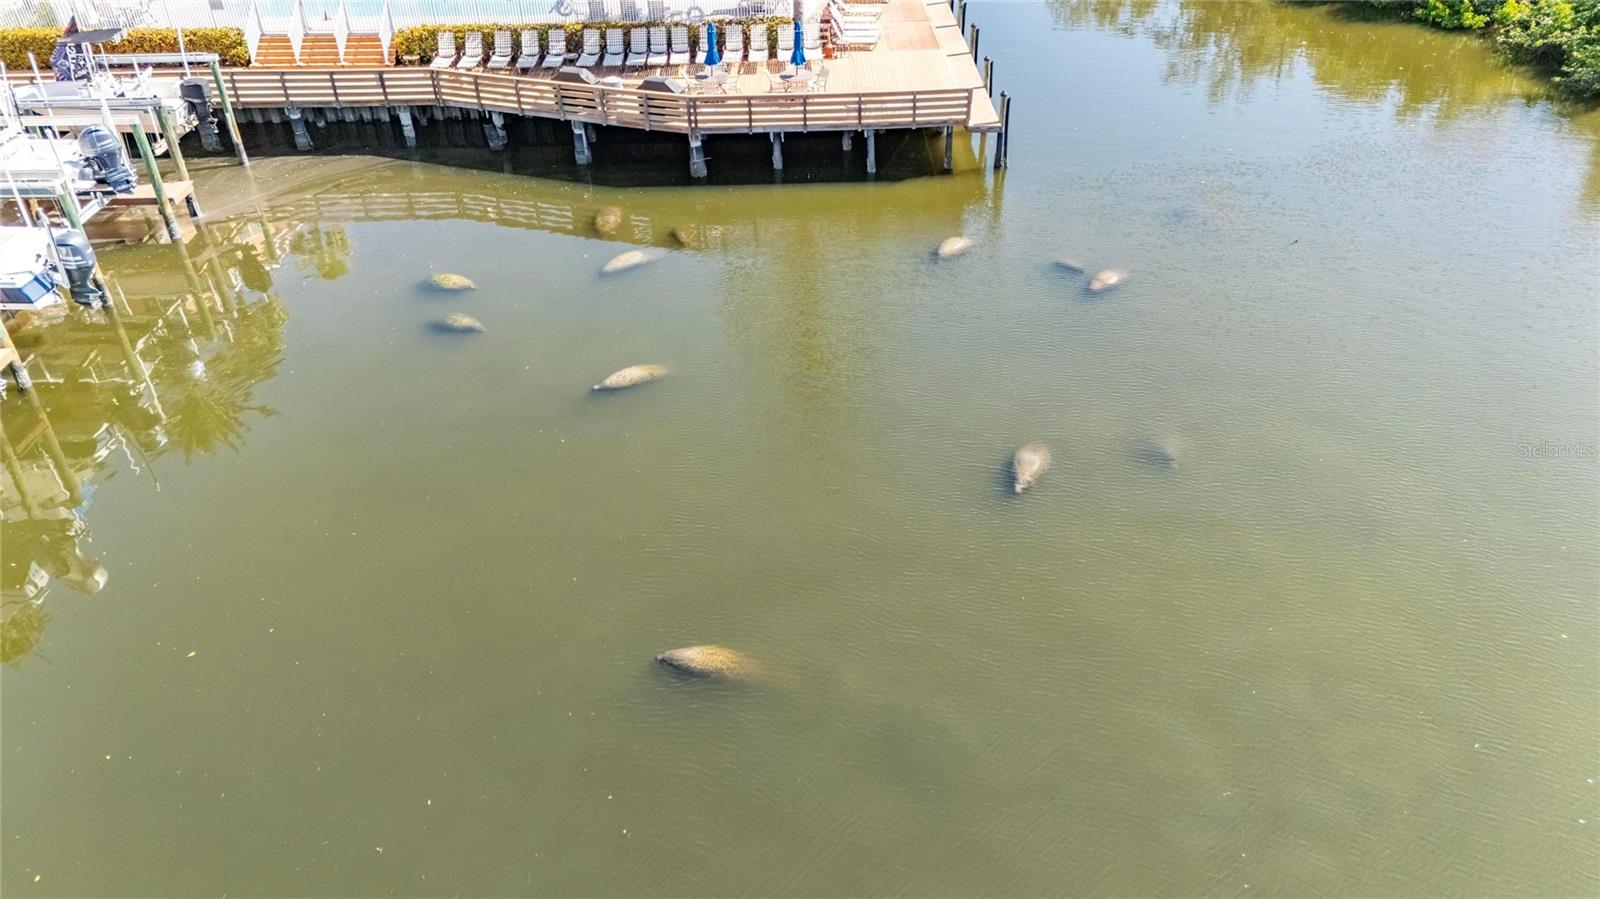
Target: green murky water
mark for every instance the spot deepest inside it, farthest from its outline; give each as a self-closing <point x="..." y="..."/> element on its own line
<point x="311" y="599"/>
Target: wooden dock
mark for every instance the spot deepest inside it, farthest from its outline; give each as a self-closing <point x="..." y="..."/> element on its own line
<point x="921" y="75"/>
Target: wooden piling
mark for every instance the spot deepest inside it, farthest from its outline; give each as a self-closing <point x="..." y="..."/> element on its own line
<point x="227" y="114"/>
<point x="156" y="184"/>
<point x="170" y="135"/>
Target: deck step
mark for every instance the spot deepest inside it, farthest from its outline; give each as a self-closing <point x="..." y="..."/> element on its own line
<point x="319" y="51"/>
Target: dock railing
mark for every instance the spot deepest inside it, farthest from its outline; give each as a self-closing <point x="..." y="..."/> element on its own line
<point x="597" y="104"/>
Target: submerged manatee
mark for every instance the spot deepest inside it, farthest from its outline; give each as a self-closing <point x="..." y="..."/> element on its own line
<point x="1031" y="461"/>
<point x="1067" y="263"/>
<point x="631" y="376"/>
<point x="608" y="220"/>
<point x="1154" y="452"/>
<point x="708" y="661"/>
<point x="632" y="259"/>
<point x="461" y="323"/>
<point x="688" y="236"/>
<point x="1111" y="277"/>
<point x="953" y="246"/>
<point x="448" y="281"/>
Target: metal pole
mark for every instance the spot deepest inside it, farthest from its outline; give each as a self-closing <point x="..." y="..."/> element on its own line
<point x="227" y="113"/>
<point x="156" y="183"/>
<point x="181" y="51"/>
<point x="170" y="135"/>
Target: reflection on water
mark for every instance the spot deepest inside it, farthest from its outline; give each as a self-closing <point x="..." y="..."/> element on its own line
<point x="152" y="372"/>
<point x="1233" y="48"/>
<point x="378" y="605"/>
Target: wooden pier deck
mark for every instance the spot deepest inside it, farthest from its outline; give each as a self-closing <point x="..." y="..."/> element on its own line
<point x="920" y="75"/>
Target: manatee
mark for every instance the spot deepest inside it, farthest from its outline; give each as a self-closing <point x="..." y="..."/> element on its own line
<point x="608" y="220"/>
<point x="1111" y="277"/>
<point x="708" y="661"/>
<point x="1031" y="461"/>
<point x="632" y="259"/>
<point x="461" y="323"/>
<point x="951" y="247"/>
<point x="688" y="236"/>
<point x="451" y="282"/>
<point x="631" y="376"/>
<point x="1153" y="451"/>
<point x="1067" y="263"/>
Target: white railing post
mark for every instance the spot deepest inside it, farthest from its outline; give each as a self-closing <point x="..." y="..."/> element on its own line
<point x="386" y="31"/>
<point x="297" y="28"/>
<point x="252" y="30"/>
<point x="341" y="28"/>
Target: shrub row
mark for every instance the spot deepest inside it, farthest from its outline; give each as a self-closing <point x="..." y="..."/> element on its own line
<point x="422" y="40"/>
<point x="227" y="43"/>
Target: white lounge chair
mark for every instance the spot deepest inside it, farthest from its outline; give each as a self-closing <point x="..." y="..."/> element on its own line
<point x="733" y="46"/>
<point x="445" y="56"/>
<point x="556" y="56"/>
<point x="616" y="46"/>
<point x="638" y="48"/>
<point x="757" y="52"/>
<point x="501" y="58"/>
<point x="591" y="48"/>
<point x="530" y="50"/>
<point x="785" y="43"/>
<point x="700" y="43"/>
<point x="678" y="51"/>
<point x="658" y="47"/>
<point x="472" y="56"/>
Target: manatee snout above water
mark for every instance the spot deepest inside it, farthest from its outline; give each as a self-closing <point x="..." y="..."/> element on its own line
<point x="631" y="376"/>
<point x="689" y="237"/>
<point x="608" y="220"/>
<point x="951" y="247"/>
<point x="1104" y="281"/>
<point x="447" y="281"/>
<point x="1029" y="464"/>
<point x="708" y="661"/>
<point x="632" y="259"/>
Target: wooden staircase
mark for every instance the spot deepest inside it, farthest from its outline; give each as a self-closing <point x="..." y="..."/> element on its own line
<point x="319" y="51"/>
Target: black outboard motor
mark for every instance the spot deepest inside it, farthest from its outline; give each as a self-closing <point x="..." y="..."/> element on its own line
<point x="77" y="261"/>
<point x="104" y="152"/>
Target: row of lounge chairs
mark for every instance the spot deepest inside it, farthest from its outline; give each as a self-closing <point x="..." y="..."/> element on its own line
<point x="654" y="47"/>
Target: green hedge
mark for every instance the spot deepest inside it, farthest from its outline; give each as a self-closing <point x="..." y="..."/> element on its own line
<point x="422" y="40"/>
<point x="227" y="43"/>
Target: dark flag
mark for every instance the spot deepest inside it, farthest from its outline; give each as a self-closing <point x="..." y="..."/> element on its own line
<point x="68" y="60"/>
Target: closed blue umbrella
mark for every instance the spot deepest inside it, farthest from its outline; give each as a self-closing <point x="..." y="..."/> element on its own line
<point x="712" y="56"/>
<point x="798" y="57"/>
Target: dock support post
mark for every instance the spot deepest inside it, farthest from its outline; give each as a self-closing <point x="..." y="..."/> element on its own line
<point x="227" y="114"/>
<point x="697" y="157"/>
<point x="156" y="183"/>
<point x="19" y="371"/>
<point x="1002" y="141"/>
<point x="777" y="151"/>
<point x="170" y="135"/>
<point x="848" y="135"/>
<point x="297" y="121"/>
<point x="494" y="128"/>
<point x="872" y="151"/>
<point x="407" y="129"/>
<point x="580" y="144"/>
<point x="949" y="148"/>
<point x="69" y="208"/>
